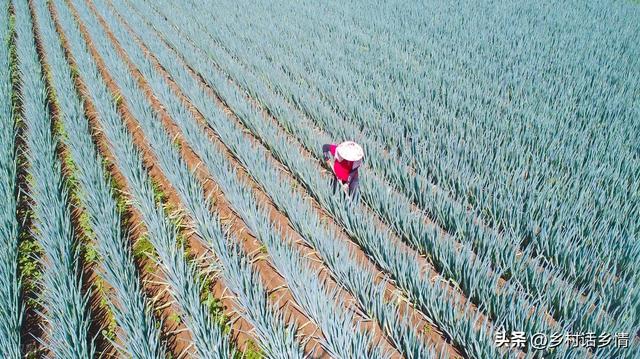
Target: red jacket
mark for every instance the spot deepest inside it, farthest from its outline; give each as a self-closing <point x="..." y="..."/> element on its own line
<point x="343" y="168"/>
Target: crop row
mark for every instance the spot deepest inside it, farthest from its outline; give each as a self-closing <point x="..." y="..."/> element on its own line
<point x="253" y="216"/>
<point x="184" y="283"/>
<point x="11" y="310"/>
<point x="64" y="306"/>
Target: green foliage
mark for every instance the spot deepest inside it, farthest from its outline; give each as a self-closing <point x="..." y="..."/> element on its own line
<point x="29" y="252"/>
<point x="11" y="291"/>
<point x="117" y="99"/>
<point x="121" y="200"/>
<point x="465" y="100"/>
<point x="177" y="144"/>
<point x="91" y="255"/>
<point x="174" y="317"/>
<point x="251" y="351"/>
<point x="427" y="329"/>
<point x="74" y="71"/>
<point x="214" y="305"/>
<point x="110" y="331"/>
<point x="158" y="194"/>
<point x="143" y="248"/>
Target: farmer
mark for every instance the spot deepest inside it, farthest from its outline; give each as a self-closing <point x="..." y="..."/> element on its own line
<point x="348" y="158"/>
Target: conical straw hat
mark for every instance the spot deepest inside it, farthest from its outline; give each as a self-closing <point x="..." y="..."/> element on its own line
<point x="350" y="151"/>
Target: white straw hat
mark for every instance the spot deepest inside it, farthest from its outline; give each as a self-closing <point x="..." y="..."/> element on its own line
<point x="350" y="151"/>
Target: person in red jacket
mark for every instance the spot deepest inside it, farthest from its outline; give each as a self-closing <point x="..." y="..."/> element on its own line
<point x="347" y="160"/>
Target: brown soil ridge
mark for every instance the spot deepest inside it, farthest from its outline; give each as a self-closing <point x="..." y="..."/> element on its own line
<point x="282" y="219"/>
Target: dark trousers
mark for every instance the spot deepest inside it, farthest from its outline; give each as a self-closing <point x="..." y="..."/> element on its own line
<point x="353" y="184"/>
<point x="354" y="192"/>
